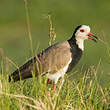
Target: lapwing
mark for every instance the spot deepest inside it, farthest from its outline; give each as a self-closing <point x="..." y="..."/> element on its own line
<point x="57" y="59"/>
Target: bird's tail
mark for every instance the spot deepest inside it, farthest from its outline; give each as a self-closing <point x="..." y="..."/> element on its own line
<point x="24" y="71"/>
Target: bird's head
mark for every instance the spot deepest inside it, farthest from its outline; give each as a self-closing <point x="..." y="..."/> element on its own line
<point x="82" y="32"/>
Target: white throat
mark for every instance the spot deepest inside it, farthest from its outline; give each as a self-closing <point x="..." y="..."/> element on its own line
<point x="80" y="43"/>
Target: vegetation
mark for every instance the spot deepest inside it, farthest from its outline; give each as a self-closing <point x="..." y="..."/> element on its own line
<point x="85" y="93"/>
<point x="87" y="88"/>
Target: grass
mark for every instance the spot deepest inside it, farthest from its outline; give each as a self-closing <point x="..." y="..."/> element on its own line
<point x="83" y="93"/>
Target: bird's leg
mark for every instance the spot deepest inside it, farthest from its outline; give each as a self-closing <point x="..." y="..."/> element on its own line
<point x="48" y="81"/>
<point x="54" y="86"/>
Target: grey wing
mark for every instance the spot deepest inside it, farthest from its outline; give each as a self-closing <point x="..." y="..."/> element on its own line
<point x="55" y="57"/>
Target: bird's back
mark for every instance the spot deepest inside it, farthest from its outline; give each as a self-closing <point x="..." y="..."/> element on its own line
<point x="55" y="57"/>
<point x="51" y="60"/>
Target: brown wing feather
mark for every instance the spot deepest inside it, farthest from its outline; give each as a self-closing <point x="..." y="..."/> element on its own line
<point x="55" y="57"/>
<point x="50" y="60"/>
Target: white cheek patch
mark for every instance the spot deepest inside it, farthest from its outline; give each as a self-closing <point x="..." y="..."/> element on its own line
<point x="80" y="43"/>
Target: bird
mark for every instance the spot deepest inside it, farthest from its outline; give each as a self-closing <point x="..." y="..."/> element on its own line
<point x="57" y="59"/>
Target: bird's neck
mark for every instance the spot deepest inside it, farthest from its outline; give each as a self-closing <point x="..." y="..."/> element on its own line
<point x="80" y="43"/>
<point x="77" y="41"/>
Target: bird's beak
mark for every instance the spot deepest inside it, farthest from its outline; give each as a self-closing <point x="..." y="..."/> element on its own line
<point x="93" y="37"/>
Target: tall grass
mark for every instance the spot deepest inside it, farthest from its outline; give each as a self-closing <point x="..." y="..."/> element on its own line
<point x="85" y="93"/>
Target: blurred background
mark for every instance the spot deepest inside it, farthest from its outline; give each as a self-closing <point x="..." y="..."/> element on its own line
<point x="66" y="15"/>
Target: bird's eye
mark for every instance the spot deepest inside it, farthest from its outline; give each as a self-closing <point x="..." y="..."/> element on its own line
<point x="82" y="30"/>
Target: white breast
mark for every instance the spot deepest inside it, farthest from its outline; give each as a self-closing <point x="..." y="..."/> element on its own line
<point x="55" y="76"/>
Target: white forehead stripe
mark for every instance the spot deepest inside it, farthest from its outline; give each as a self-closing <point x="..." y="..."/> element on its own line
<point x="87" y="28"/>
